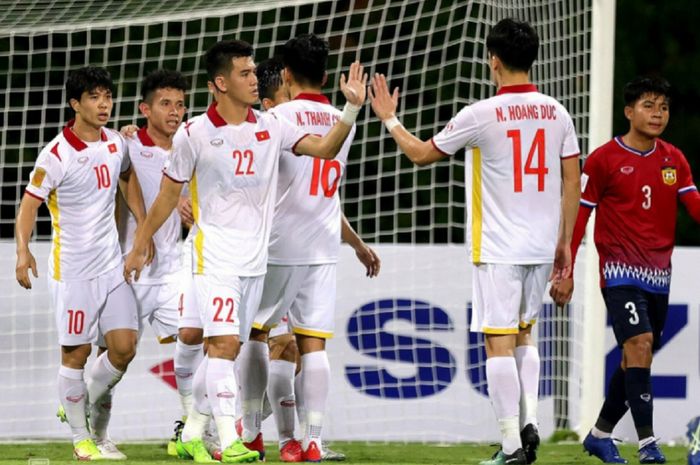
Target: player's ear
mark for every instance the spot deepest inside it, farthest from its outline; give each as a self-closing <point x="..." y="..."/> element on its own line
<point x="145" y="109"/>
<point x="220" y="83"/>
<point x="267" y="103"/>
<point x="629" y="111"/>
<point x="286" y="76"/>
<point x="325" y="79"/>
<point x="74" y="104"/>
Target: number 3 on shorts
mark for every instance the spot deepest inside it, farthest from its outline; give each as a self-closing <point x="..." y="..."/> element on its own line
<point x="634" y="319"/>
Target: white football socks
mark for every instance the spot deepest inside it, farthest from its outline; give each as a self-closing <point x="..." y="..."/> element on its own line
<point x="100" y="414"/>
<point x="316" y="374"/>
<point x="103" y="377"/>
<point x="528" y="360"/>
<point x="280" y="392"/>
<point x="72" y="392"/>
<point x="299" y="400"/>
<point x="253" y="365"/>
<point x="187" y="359"/>
<point x="199" y="416"/>
<point x="504" y="391"/>
<point x="221" y="392"/>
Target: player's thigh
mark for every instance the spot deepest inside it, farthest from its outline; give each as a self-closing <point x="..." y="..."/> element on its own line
<point x="146" y="302"/>
<point x="313" y="311"/>
<point x="534" y="285"/>
<point x="77" y="306"/>
<point x="628" y="307"/>
<point x="219" y="303"/>
<point x="120" y="308"/>
<point x="497" y="292"/>
<point x="658" y="312"/>
<point x="280" y="287"/>
<point x="164" y="318"/>
<point x="188" y="309"/>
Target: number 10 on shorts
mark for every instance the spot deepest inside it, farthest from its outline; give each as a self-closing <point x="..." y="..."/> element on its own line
<point x="76" y="321"/>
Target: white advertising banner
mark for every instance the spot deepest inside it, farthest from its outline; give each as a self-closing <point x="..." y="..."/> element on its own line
<point x="404" y="366"/>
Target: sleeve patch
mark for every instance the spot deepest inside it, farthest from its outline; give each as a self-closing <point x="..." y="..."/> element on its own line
<point x="584" y="181"/>
<point x="38" y="177"/>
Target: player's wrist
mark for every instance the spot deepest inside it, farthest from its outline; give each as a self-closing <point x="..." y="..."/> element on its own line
<point x="391" y="123"/>
<point x="350" y="112"/>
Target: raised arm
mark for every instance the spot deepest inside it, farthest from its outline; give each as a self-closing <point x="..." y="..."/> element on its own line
<point x="160" y="211"/>
<point x="364" y="253"/>
<point x="24" y="224"/>
<point x="328" y="146"/>
<point x="384" y="104"/>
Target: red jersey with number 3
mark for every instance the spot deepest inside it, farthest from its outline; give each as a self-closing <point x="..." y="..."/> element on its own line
<point x="635" y="195"/>
<point x="516" y="141"/>
<point x="306" y="226"/>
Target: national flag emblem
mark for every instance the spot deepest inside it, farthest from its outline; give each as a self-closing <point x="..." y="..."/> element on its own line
<point x="262" y="135"/>
<point x="38" y="177"/>
<point x="669" y="175"/>
<point x="112" y="148"/>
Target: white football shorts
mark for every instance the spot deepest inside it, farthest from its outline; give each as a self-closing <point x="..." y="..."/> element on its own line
<point x="158" y="305"/>
<point x="306" y="293"/>
<point x="507" y="297"/>
<point x="85" y="307"/>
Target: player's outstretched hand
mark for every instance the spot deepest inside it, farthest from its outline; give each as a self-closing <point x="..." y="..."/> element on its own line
<point x="562" y="263"/>
<point x="383" y="103"/>
<point x="134" y="263"/>
<point x="25" y="262"/>
<point x="369" y="258"/>
<point x="129" y="130"/>
<point x="562" y="291"/>
<point x="354" y="88"/>
<point x="184" y="208"/>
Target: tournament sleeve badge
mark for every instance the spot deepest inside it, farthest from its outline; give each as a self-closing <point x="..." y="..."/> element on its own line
<point x="38" y="177"/>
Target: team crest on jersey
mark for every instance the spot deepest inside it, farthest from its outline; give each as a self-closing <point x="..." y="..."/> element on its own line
<point x="112" y="148"/>
<point x="669" y="175"/>
<point x="262" y="135"/>
<point x="38" y="177"/>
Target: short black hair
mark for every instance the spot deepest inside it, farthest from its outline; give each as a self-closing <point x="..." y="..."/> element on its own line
<point x="162" y="79"/>
<point x="269" y="73"/>
<point x="306" y="56"/>
<point x="219" y="57"/>
<point x="637" y="87"/>
<point x="515" y="43"/>
<point x="87" y="79"/>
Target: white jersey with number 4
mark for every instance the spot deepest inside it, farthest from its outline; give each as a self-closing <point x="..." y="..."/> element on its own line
<point x="232" y="171"/>
<point x="78" y="180"/>
<point x="306" y="226"/>
<point x="149" y="160"/>
<point x="517" y="140"/>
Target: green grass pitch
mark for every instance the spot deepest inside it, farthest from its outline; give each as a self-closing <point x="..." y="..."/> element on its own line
<point x="357" y="452"/>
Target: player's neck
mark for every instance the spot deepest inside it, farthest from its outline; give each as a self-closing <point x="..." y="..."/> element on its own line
<point x="161" y="140"/>
<point x="638" y="141"/>
<point x="296" y="89"/>
<point x="233" y="112"/>
<point x="508" y="78"/>
<point x="86" y="132"/>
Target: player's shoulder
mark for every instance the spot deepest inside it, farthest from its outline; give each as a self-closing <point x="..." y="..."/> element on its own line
<point x="668" y="148"/>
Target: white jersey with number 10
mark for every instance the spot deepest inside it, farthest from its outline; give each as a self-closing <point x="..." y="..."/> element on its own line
<point x="515" y="143"/>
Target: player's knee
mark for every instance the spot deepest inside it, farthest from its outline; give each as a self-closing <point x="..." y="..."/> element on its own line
<point x="259" y="335"/>
<point x="284" y="348"/>
<point x="638" y="350"/>
<point x="223" y="347"/>
<point x="190" y="336"/>
<point x="75" y="356"/>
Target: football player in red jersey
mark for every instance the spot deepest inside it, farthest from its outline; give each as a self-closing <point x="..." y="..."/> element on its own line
<point x="635" y="182"/>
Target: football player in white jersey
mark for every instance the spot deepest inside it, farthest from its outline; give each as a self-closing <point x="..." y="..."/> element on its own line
<point x="301" y="273"/>
<point x="77" y="175"/>
<point x="230" y="157"/>
<point x="522" y="147"/>
<point x="157" y="293"/>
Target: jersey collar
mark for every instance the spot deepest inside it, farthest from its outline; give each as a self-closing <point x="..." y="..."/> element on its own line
<point x="619" y="141"/>
<point x="320" y="98"/>
<point x="145" y="138"/>
<point x="74" y="140"/>
<point x="217" y="120"/>
<point x="517" y="89"/>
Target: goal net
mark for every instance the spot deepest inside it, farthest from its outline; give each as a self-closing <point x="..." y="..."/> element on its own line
<point x="433" y="51"/>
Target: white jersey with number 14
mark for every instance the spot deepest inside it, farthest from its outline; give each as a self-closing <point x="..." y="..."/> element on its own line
<point x="515" y="143"/>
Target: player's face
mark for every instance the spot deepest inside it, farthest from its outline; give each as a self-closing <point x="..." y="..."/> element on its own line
<point x="94" y="107"/>
<point x="241" y="84"/>
<point x="649" y="115"/>
<point x="165" y="110"/>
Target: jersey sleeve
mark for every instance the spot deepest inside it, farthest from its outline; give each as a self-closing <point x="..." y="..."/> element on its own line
<point x="47" y="174"/>
<point x="461" y="131"/>
<point x="183" y="159"/>
<point x="593" y="179"/>
<point x="685" y="176"/>
<point x="126" y="159"/>
<point x="570" y="146"/>
<point x="290" y="134"/>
